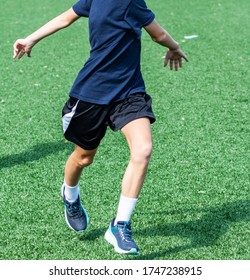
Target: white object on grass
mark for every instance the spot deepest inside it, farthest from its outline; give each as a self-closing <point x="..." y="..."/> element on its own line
<point x="190" y="37"/>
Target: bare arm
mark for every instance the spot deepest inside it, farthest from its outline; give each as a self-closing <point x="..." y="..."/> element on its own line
<point x="22" y="46"/>
<point x="162" y="37"/>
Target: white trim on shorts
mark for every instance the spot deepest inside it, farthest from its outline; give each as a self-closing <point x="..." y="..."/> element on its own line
<point x="66" y="119"/>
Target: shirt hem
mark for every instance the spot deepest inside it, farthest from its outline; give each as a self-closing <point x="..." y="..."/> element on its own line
<point x="104" y="101"/>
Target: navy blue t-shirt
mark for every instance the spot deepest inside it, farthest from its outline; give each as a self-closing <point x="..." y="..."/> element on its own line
<point x="112" y="71"/>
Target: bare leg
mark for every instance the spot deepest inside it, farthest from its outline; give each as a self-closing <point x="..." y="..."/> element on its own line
<point x="75" y="215"/>
<point x="79" y="159"/>
<point x="139" y="138"/>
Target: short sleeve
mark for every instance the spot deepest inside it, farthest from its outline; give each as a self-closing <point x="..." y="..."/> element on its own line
<point x="82" y="7"/>
<point x="138" y="15"/>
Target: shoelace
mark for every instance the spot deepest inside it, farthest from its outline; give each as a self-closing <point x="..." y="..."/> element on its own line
<point x="74" y="209"/>
<point x="125" y="232"/>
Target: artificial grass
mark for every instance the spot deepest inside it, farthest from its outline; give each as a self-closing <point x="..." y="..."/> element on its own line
<point x="195" y="203"/>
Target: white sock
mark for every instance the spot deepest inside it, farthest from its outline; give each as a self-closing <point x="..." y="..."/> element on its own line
<point x="71" y="193"/>
<point x="125" y="208"/>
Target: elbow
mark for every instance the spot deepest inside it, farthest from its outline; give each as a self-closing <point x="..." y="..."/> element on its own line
<point x="160" y="37"/>
<point x="66" y="19"/>
<point x="64" y="22"/>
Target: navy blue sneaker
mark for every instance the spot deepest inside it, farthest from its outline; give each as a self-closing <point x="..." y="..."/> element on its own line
<point x="75" y="215"/>
<point x="120" y="236"/>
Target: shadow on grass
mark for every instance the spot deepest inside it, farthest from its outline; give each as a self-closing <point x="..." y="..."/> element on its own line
<point x="33" y="154"/>
<point x="93" y="234"/>
<point x="202" y="232"/>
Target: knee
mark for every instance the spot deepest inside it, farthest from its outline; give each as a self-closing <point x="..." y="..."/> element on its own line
<point x="84" y="160"/>
<point x="142" y="152"/>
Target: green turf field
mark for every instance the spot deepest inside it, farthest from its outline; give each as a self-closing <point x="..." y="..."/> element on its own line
<point x="195" y="203"/>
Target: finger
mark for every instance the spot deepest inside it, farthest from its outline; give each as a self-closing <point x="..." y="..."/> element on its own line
<point x="21" y="54"/>
<point x="15" y="50"/>
<point x="185" y="57"/>
<point x="171" y="64"/>
<point x="176" y="62"/>
<point x="166" y="60"/>
<point x="180" y="62"/>
<point x="15" y="54"/>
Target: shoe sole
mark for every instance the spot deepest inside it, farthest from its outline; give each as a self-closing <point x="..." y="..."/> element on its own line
<point x="66" y="219"/>
<point x="110" y="238"/>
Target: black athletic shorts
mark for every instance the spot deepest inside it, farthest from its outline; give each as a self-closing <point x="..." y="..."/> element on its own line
<point x="85" y="124"/>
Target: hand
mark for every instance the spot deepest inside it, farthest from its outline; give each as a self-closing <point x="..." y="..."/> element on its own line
<point x="175" y="58"/>
<point x="21" y="47"/>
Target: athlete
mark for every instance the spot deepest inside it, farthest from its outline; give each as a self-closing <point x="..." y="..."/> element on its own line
<point x="109" y="91"/>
